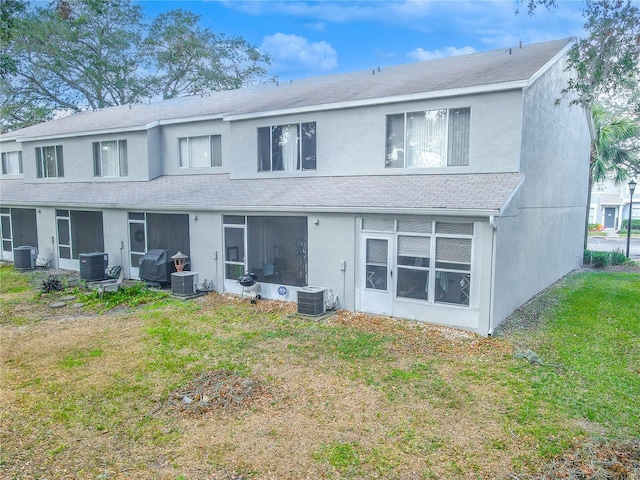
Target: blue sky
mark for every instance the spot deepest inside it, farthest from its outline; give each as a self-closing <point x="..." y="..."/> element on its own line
<point x="309" y="38"/>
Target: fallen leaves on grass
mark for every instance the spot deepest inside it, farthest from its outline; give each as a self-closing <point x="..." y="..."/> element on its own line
<point x="610" y="461"/>
<point x="222" y="388"/>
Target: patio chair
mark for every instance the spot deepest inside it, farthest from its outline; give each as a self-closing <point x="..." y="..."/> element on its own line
<point x="109" y="285"/>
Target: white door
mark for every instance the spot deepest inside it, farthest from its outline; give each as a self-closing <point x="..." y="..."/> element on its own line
<point x="376" y="274"/>
<point x="65" y="251"/>
<point x="5" y="228"/>
<point x="234" y="256"/>
<point x="137" y="242"/>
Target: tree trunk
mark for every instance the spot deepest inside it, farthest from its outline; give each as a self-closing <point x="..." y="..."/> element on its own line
<point x="592" y="158"/>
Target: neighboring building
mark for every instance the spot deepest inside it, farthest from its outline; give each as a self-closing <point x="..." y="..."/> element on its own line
<point x="610" y="205"/>
<point x="449" y="191"/>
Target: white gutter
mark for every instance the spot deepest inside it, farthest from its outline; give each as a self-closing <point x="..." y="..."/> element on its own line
<point x="470" y="213"/>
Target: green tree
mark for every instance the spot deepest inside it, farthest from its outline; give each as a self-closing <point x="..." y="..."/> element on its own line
<point x="613" y="156"/>
<point x="607" y="60"/>
<point x="605" y="68"/>
<point x="194" y="60"/>
<point x="613" y="153"/>
<point x="76" y="55"/>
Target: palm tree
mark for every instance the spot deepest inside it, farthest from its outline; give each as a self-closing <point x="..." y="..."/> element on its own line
<point x="613" y="153"/>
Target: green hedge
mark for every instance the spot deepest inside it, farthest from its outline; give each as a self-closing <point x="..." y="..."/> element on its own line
<point x="604" y="259"/>
<point x="635" y="224"/>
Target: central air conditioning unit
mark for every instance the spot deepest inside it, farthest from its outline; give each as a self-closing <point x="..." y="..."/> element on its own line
<point x="24" y="258"/>
<point x="312" y="300"/>
<point x="93" y="266"/>
<point x="184" y="283"/>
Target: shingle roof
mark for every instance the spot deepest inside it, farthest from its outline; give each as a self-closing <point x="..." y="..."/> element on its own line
<point x="610" y="199"/>
<point x="503" y="66"/>
<point x="481" y="194"/>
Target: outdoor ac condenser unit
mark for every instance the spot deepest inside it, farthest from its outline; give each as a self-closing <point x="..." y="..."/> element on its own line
<point x="93" y="266"/>
<point x="311" y="300"/>
<point x="184" y="283"/>
<point x="24" y="258"/>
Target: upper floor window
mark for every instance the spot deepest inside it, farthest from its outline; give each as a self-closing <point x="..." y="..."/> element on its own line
<point x="202" y="151"/>
<point x="11" y="163"/>
<point x="49" y="162"/>
<point x="287" y="147"/>
<point x="431" y="138"/>
<point x="110" y="159"/>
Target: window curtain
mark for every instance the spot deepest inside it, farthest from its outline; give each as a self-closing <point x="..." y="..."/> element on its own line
<point x="12" y="163"/>
<point x="288" y="148"/>
<point x="122" y="156"/>
<point x="200" y="155"/>
<point x="183" y="151"/>
<point x="395" y="141"/>
<point x="264" y="149"/>
<point x="413" y="246"/>
<point x="216" y="150"/>
<point x="376" y="251"/>
<point x="454" y="250"/>
<point x="426" y="138"/>
<point x="459" y="133"/>
<point x="308" y="146"/>
<point x="109" y="155"/>
<point x="50" y="165"/>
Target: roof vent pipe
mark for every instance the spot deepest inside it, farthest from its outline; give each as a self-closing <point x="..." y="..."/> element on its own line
<point x="509" y="51"/>
<point x="520" y="43"/>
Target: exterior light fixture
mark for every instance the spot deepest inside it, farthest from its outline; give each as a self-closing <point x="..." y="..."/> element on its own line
<point x="632" y="188"/>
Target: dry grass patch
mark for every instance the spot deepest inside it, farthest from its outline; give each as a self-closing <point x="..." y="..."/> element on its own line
<point x="277" y="396"/>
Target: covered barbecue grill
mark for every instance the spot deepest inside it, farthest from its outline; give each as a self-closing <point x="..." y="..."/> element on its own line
<point x="156" y="266"/>
<point x="249" y="282"/>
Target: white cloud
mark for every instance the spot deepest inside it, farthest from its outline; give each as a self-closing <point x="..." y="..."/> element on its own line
<point x="317" y="26"/>
<point x="419" y="54"/>
<point x="292" y="52"/>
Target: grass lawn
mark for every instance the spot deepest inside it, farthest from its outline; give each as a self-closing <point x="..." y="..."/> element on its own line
<point x="218" y="388"/>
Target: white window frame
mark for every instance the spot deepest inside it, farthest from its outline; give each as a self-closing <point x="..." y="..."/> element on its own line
<point x="301" y="162"/>
<point x="41" y="162"/>
<point x="121" y="165"/>
<point x="12" y="162"/>
<point x="393" y="149"/>
<point x="434" y="270"/>
<point x="215" y="151"/>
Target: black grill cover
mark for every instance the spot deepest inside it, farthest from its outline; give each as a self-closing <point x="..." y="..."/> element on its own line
<point x="156" y="266"/>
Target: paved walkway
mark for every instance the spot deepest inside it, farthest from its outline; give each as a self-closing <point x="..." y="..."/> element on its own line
<point x="613" y="241"/>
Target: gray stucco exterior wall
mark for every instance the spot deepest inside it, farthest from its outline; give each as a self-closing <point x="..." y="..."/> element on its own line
<point x="540" y="236"/>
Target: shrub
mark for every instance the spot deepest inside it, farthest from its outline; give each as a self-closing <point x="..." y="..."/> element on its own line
<point x="618" y="257"/>
<point x="596" y="227"/>
<point x="51" y="284"/>
<point x="635" y="224"/>
<point x="600" y="259"/>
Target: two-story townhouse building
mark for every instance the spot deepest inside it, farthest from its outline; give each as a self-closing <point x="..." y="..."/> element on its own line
<point x="448" y="191"/>
<point x="610" y="204"/>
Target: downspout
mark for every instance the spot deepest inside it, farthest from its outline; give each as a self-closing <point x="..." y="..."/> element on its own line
<point x="494" y="227"/>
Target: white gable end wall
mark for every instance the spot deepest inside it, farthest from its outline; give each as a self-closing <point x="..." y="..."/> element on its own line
<point x="540" y="236"/>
